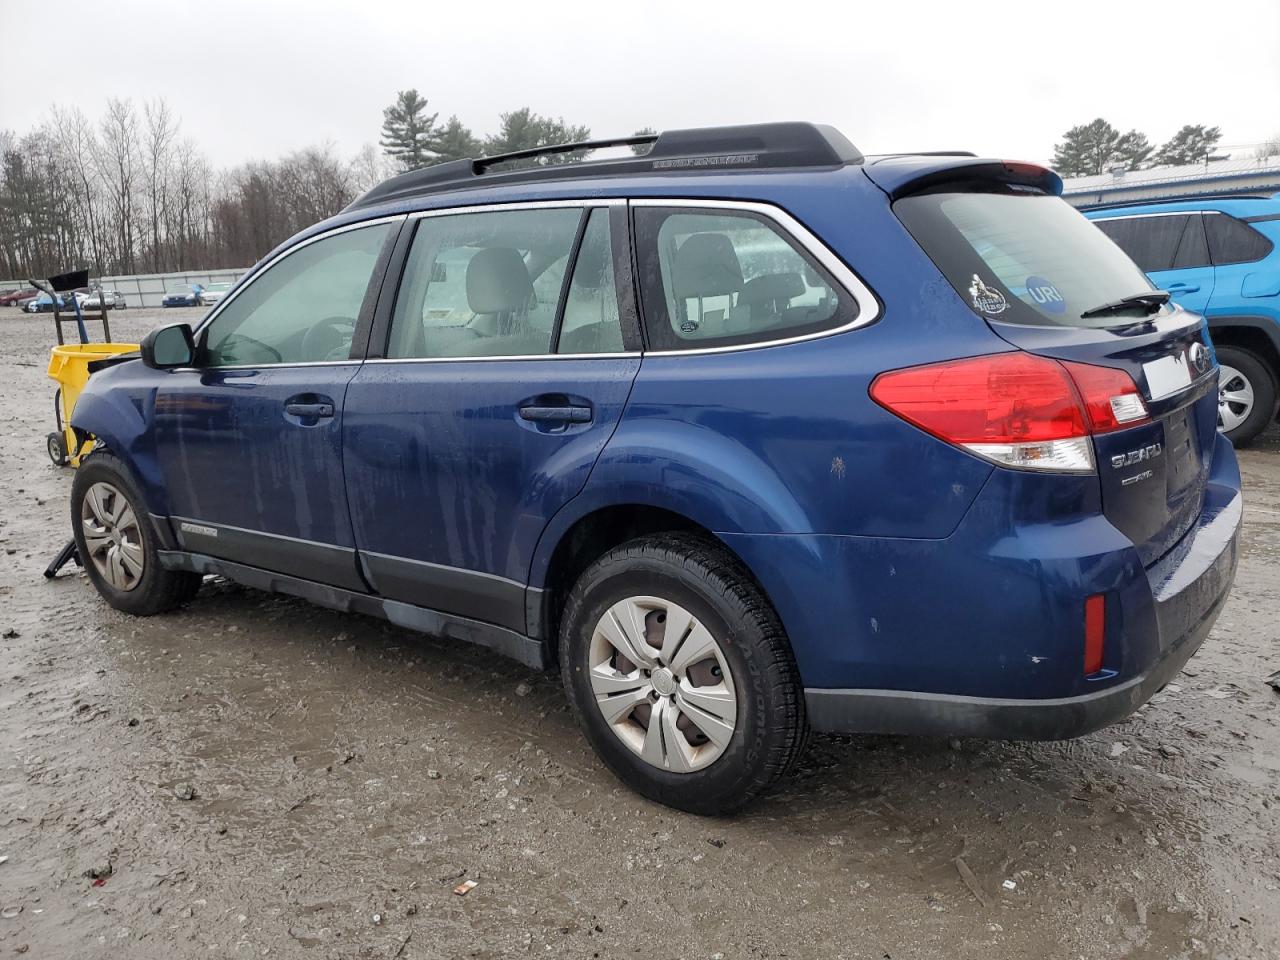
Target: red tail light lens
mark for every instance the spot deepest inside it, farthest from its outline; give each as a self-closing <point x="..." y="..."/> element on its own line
<point x="1111" y="398"/>
<point x="1017" y="409"/>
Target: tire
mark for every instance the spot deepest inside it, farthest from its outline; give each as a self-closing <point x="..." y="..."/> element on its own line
<point x="751" y="665"/>
<point x="1246" y="377"/>
<point x="56" y="444"/>
<point x="146" y="588"/>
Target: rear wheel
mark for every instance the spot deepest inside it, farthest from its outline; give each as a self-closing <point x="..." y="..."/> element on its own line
<point x="1246" y="394"/>
<point x="680" y="675"/>
<point x="117" y="543"/>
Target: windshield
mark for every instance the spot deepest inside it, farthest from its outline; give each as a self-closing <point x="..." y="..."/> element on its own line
<point x="1025" y="257"/>
<point x="217" y="288"/>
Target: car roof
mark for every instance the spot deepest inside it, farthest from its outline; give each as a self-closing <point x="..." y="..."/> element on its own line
<point x="1242" y="207"/>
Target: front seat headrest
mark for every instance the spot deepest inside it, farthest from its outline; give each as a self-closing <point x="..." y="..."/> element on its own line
<point x="706" y="265"/>
<point x="498" y="281"/>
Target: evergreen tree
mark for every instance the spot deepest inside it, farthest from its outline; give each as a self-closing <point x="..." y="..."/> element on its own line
<point x="1192" y="144"/>
<point x="1096" y="147"/>
<point x="1133" y="149"/>
<point x="408" y="133"/>
<point x="523" y="130"/>
<point x="455" y="142"/>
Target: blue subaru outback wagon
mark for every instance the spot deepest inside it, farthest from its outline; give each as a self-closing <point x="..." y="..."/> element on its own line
<point x="748" y="434"/>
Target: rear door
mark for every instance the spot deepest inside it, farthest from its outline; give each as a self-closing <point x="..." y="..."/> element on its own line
<point x="1173" y="250"/>
<point x="1037" y="271"/>
<point x="502" y="372"/>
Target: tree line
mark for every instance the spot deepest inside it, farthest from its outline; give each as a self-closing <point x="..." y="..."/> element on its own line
<point x="128" y="193"/>
<point x="1098" y="147"/>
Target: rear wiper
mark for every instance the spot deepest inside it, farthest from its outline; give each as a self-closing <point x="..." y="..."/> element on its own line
<point x="1152" y="300"/>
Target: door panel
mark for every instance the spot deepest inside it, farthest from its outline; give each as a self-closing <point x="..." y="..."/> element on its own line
<point x="250" y="442"/>
<point x="253" y="482"/>
<point x="457" y="453"/>
<point x="444" y="470"/>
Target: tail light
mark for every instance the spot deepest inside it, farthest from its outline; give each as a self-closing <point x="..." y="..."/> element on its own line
<point x="1015" y="409"/>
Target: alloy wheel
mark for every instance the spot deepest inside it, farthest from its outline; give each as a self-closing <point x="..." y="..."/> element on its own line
<point x="662" y="683"/>
<point x="112" y="537"/>
<point x="1235" y="398"/>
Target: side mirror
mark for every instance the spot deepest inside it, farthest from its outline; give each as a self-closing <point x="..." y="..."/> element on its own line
<point x="168" y="347"/>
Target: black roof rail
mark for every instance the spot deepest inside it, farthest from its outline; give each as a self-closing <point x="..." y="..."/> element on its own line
<point x="744" y="147"/>
<point x="925" y="153"/>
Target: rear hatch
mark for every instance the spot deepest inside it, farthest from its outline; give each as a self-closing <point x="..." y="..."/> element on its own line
<point x="1051" y="283"/>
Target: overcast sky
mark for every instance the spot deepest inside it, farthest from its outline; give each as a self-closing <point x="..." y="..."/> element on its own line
<point x="255" y="78"/>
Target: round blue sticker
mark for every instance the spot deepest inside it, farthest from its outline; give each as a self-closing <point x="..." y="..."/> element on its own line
<point x="1045" y="295"/>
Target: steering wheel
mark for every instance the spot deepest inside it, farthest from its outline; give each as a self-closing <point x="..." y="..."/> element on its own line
<point x="227" y="351"/>
<point x="330" y="339"/>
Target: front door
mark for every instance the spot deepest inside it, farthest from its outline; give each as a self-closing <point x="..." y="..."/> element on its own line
<point x="250" y="440"/>
<point x="506" y="369"/>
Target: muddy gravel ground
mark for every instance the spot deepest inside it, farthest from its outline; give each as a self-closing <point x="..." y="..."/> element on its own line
<point x="253" y="776"/>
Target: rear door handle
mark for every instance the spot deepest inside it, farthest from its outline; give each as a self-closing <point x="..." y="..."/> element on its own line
<point x="558" y="414"/>
<point x="318" y="410"/>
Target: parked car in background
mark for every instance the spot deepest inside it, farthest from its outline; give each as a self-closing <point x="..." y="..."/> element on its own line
<point x="181" y="297"/>
<point x="212" y="293"/>
<point x="113" y="299"/>
<point x="746" y="435"/>
<point x="18" y="298"/>
<point x="1219" y="258"/>
<point x="45" y="304"/>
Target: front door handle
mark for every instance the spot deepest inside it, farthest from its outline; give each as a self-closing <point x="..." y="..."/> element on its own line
<point x="1183" y="287"/>
<point x="556" y="414"/>
<point x="317" y="410"/>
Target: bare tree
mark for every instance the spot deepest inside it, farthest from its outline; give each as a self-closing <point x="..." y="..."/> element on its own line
<point x="117" y="163"/>
<point x="162" y="130"/>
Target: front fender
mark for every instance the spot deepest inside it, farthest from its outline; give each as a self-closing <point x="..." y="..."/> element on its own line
<point x="686" y="469"/>
<point x="117" y="408"/>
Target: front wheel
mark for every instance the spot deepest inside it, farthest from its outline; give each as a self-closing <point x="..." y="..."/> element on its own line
<point x="681" y="676"/>
<point x="117" y="542"/>
<point x="1246" y="394"/>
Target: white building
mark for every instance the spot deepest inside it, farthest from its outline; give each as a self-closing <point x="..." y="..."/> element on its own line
<point x="1253" y="175"/>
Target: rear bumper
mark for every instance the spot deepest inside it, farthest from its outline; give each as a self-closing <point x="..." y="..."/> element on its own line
<point x="982" y="633"/>
<point x="1188" y="588"/>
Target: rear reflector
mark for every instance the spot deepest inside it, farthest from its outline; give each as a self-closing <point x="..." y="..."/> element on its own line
<point x="1016" y="409"/>
<point x="1095" y="616"/>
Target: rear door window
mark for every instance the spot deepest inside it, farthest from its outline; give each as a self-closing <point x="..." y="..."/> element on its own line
<point x="1025" y="257"/>
<point x="725" y="278"/>
<point x="484" y="284"/>
<point x="1151" y="242"/>
<point x="1231" y="241"/>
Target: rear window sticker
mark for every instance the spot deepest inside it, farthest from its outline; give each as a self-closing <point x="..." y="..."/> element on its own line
<point x="987" y="299"/>
<point x="1045" y="295"/>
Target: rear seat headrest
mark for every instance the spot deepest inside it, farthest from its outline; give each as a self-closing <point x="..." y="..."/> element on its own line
<point x="706" y="265"/>
<point x="773" y="287"/>
<point x="498" y="281"/>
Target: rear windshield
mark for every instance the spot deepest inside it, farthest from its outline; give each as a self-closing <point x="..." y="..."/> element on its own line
<point x="1023" y="257"/>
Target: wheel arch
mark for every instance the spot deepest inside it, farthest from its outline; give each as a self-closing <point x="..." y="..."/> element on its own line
<point x="560" y="559"/>
<point x="114" y="421"/>
<point x="1261" y="335"/>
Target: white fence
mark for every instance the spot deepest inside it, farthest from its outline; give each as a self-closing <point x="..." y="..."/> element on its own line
<point x="148" y="289"/>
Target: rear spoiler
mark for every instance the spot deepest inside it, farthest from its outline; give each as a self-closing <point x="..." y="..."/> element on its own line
<point x="901" y="176"/>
